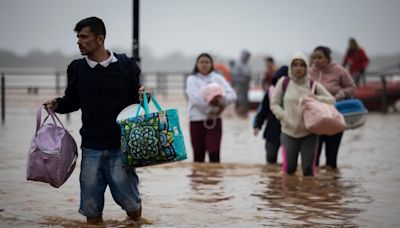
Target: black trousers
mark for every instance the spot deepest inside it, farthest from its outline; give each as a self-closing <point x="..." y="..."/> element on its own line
<point x="272" y="148"/>
<point x="332" y="144"/>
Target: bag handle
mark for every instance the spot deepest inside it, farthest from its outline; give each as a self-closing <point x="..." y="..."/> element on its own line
<point x="212" y="125"/>
<point x="313" y="87"/>
<point x="146" y="104"/>
<point x="51" y="114"/>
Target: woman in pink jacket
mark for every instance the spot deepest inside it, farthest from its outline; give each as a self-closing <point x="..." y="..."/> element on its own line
<point x="339" y="83"/>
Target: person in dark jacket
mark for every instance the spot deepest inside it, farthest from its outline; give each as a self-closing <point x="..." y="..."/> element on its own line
<point x="272" y="131"/>
<point x="101" y="84"/>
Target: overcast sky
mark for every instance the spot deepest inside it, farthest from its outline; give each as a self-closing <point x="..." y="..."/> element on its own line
<point x="222" y="27"/>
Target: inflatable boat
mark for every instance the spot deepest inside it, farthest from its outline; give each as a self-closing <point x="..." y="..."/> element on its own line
<point x="371" y="94"/>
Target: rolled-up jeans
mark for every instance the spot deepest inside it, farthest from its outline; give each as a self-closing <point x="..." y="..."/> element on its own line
<point x="100" y="168"/>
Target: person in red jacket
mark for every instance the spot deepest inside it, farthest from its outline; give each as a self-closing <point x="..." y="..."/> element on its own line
<point x="357" y="60"/>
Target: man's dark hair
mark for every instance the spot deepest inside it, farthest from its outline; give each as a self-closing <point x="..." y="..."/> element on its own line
<point x="95" y="24"/>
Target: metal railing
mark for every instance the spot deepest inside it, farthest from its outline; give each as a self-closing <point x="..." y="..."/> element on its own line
<point x="161" y="83"/>
<point x="3" y="98"/>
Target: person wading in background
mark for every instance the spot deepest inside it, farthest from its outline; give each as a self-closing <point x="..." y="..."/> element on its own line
<point x="357" y="60"/>
<point x="339" y="83"/>
<point x="241" y="77"/>
<point x="205" y="117"/>
<point x="295" y="138"/>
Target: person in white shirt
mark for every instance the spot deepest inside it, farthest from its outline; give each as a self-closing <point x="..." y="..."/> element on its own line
<point x="205" y="117"/>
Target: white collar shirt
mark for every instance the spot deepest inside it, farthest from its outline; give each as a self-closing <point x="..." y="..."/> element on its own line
<point x="105" y="63"/>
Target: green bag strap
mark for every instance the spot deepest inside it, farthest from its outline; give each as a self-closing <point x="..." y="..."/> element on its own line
<point x="158" y="106"/>
<point x="146" y="104"/>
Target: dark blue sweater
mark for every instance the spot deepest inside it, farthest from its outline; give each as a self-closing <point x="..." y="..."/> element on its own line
<point x="101" y="93"/>
<point x="272" y="131"/>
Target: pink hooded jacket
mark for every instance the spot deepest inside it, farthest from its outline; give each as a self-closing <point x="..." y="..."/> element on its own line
<point x="335" y="79"/>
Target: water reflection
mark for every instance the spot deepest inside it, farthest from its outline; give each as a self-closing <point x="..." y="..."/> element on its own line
<point x="110" y="223"/>
<point x="324" y="200"/>
<point x="206" y="183"/>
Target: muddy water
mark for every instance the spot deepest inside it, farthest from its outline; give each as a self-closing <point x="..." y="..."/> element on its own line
<point x="240" y="192"/>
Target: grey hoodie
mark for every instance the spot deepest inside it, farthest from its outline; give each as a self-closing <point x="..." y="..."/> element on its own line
<point x="291" y="115"/>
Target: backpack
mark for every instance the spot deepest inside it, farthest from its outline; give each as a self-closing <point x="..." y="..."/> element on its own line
<point x="53" y="152"/>
<point x="285" y="84"/>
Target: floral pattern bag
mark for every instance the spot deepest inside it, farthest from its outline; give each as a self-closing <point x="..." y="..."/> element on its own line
<point x="152" y="138"/>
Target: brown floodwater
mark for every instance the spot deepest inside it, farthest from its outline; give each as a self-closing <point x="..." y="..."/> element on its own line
<point x="240" y="192"/>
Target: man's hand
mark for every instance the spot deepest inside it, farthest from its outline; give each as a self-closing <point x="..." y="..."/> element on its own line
<point x="141" y="92"/>
<point x="50" y="104"/>
<point x="256" y="131"/>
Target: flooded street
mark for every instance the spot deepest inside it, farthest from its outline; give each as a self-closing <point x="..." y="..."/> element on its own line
<point x="240" y="192"/>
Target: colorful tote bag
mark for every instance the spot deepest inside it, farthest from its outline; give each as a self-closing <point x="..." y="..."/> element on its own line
<point x="152" y="138"/>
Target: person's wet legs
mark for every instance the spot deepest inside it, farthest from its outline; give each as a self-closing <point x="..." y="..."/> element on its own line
<point x="213" y="141"/>
<point x="292" y="147"/>
<point x="197" y="138"/>
<point x="321" y="140"/>
<point x="357" y="78"/>
<point x="332" y="144"/>
<point x="272" y="149"/>
<point x="123" y="185"/>
<point x="308" y="144"/>
<point x="135" y="214"/>
<point x="93" y="184"/>
<point x="94" y="220"/>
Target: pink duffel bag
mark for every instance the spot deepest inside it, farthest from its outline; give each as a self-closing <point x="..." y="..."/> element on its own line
<point x="53" y="152"/>
<point x="321" y="118"/>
